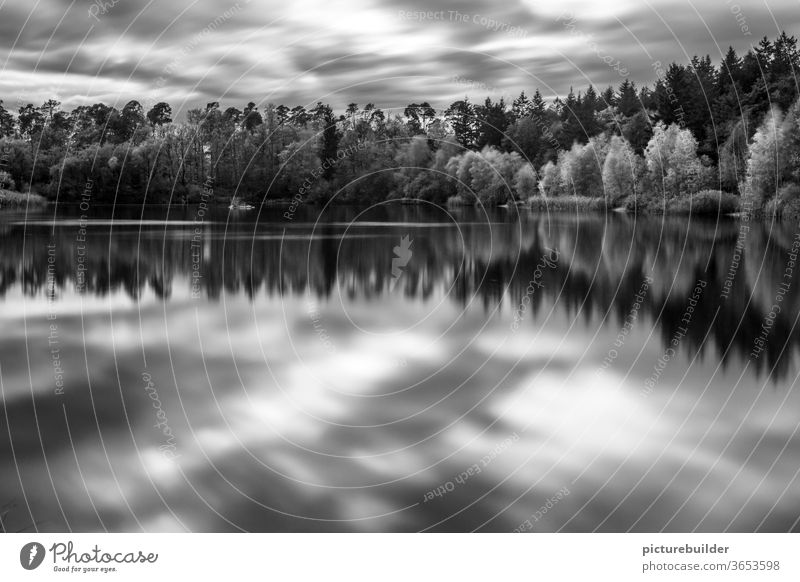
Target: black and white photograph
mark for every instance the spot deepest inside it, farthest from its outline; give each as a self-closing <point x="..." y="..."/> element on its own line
<point x="394" y="267"/>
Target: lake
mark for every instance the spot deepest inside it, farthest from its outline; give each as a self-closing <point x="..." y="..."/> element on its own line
<point x="396" y="368"/>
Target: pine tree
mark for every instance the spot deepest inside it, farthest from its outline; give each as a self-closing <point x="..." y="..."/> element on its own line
<point x="628" y="101"/>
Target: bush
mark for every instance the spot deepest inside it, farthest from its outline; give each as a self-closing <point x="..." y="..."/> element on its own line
<point x="568" y="204"/>
<point x="706" y="203"/>
<point x="19" y="200"/>
<point x="785" y="204"/>
<point x="6" y="181"/>
<point x="791" y="210"/>
<point x="788" y="193"/>
<point x="645" y="202"/>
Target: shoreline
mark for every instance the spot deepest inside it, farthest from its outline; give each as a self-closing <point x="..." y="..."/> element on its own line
<point x="11" y="199"/>
<point x="706" y="204"/>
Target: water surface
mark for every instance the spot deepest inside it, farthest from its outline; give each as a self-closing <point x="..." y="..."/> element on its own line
<point x="174" y="370"/>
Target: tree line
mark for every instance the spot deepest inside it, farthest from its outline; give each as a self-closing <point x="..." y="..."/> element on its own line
<point x="731" y="130"/>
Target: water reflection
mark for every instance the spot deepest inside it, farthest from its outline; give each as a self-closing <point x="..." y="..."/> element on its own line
<point x="308" y="387"/>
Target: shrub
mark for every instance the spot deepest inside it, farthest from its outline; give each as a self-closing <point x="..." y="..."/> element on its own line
<point x="567" y="204"/>
<point x="733" y="155"/>
<point x="786" y="204"/>
<point x="6" y="181"/>
<point x="19" y="200"/>
<point x="706" y="203"/>
<point x="789" y="192"/>
<point x="791" y="210"/>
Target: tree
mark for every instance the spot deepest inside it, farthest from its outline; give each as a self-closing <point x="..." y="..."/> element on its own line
<point x="461" y="118"/>
<point x="492" y="119"/>
<point x="160" y="114"/>
<point x="582" y="168"/>
<point x="7" y="122"/>
<point x="30" y="121"/>
<point x="550" y="184"/>
<point x="329" y="143"/>
<point x="491" y="174"/>
<point x="525" y="182"/>
<point x="232" y="115"/>
<point x="628" y="100"/>
<point x="708" y="114"/>
<point x="571" y="127"/>
<point x="587" y="113"/>
<point x="672" y="162"/>
<point x="733" y="158"/>
<point x="638" y="130"/>
<point x="619" y="171"/>
<point x="768" y="166"/>
<point x="521" y="107"/>
<point x="525" y="137"/>
<point x="412" y="160"/>
<point x="420" y="116"/>
<point x="538" y="106"/>
<point x="784" y="71"/>
<point x="251" y="118"/>
<point x="672" y="93"/>
<point x="791" y="132"/>
<point x="283" y="114"/>
<point x="608" y="97"/>
<point x="698" y="106"/>
<point x="132" y="118"/>
<point x="730" y="73"/>
<point x="299" y="117"/>
<point x="352" y="115"/>
<point x="458" y="167"/>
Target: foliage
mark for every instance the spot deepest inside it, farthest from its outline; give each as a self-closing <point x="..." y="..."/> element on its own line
<point x="490" y="175"/>
<point x="767" y="166"/>
<point x="6" y="181"/>
<point x="568" y="204"/>
<point x="621" y="171"/>
<point x="733" y="127"/>
<point x="525" y="182"/>
<point x="550" y="183"/>
<point x="672" y="163"/>
<point x="19" y="200"/>
<point x="707" y="203"/>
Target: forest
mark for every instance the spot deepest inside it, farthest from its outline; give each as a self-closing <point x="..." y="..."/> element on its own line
<point x="703" y="138"/>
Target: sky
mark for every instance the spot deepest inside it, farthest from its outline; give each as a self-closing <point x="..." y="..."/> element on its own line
<point x="387" y="52"/>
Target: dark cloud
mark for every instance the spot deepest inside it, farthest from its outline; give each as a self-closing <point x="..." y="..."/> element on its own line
<point x="190" y="52"/>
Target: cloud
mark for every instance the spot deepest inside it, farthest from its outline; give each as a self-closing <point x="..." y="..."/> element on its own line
<point x="388" y="52"/>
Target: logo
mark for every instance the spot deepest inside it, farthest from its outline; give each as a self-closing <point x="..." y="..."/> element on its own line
<point x="402" y="254"/>
<point x="31" y="555"/>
